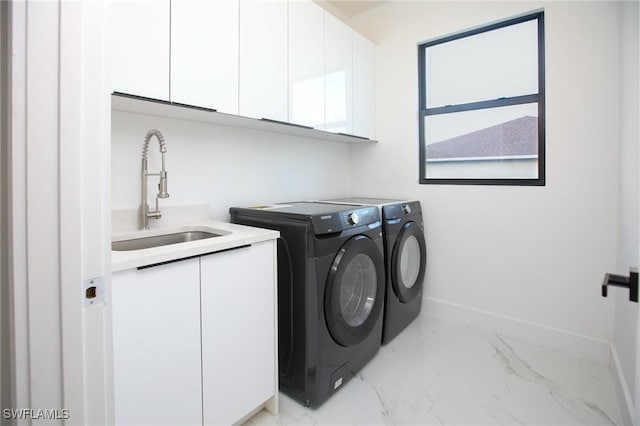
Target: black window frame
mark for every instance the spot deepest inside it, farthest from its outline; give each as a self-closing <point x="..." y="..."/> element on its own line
<point x="485" y="104"/>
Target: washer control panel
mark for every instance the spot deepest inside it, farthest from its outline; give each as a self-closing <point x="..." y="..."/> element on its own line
<point x="346" y="219"/>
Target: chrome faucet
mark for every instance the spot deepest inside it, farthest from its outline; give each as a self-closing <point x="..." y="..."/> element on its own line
<point x="145" y="214"/>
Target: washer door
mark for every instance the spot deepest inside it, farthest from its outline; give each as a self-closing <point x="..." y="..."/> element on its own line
<point x="408" y="262"/>
<point x="355" y="291"/>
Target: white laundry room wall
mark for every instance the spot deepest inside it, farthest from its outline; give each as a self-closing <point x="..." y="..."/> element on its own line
<point x="224" y="166"/>
<point x="535" y="255"/>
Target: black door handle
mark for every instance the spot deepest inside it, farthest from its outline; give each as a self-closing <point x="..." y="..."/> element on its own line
<point x="630" y="282"/>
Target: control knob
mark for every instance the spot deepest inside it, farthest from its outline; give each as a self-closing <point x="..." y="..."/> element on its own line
<point x="406" y="209"/>
<point x="353" y="219"/>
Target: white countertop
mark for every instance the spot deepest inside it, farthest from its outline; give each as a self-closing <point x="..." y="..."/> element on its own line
<point x="233" y="236"/>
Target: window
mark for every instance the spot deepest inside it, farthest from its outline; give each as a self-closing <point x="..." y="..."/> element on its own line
<point x="482" y="105"/>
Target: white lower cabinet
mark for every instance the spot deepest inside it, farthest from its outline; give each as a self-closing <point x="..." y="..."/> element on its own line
<point x="156" y="345"/>
<point x="194" y="341"/>
<point x="238" y="324"/>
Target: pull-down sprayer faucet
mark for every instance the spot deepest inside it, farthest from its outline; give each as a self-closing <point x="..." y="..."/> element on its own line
<point x="145" y="214"/>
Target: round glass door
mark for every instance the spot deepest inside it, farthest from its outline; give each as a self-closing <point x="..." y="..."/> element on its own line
<point x="408" y="262"/>
<point x="358" y="290"/>
<point x="355" y="290"/>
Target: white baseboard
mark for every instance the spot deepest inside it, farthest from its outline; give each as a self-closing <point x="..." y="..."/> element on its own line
<point x="622" y="390"/>
<point x="572" y="343"/>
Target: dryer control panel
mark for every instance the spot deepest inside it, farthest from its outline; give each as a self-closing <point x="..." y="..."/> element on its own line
<point x="346" y="219"/>
<point x="396" y="211"/>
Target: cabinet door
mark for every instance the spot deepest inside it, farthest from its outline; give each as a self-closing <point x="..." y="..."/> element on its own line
<point x="140" y="47"/>
<point x="263" y="59"/>
<point x="156" y="345"/>
<point x="364" y="87"/>
<point x="338" y="75"/>
<point x="204" y="53"/>
<point x="306" y="64"/>
<point x="238" y="332"/>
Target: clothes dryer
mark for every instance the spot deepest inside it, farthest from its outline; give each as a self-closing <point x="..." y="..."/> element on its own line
<point x="331" y="281"/>
<point x="405" y="256"/>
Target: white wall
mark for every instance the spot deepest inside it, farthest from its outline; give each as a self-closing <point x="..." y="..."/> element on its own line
<point x="224" y="166"/>
<point x="626" y="313"/>
<point x="536" y="254"/>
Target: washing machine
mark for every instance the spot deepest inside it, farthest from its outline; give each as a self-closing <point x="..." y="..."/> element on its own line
<point x="405" y="259"/>
<point x="331" y="286"/>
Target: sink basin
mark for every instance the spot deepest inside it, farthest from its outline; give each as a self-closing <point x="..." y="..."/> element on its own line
<point x="161" y="240"/>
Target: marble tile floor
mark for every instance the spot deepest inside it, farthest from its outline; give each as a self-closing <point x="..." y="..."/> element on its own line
<point x="443" y="373"/>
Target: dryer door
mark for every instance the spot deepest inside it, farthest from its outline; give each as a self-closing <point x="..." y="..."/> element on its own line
<point x="408" y="262"/>
<point x="355" y="291"/>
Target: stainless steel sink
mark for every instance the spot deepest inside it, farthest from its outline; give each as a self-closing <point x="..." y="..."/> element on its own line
<point x="161" y="240"/>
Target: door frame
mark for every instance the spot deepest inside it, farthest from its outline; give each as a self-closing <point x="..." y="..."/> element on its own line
<point x="57" y="200"/>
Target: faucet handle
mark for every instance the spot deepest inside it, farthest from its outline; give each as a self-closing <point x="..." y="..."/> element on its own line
<point x="162" y="186"/>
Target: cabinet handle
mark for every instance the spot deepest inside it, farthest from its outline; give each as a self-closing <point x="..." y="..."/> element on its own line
<point x="160" y="101"/>
<point x="354" y="136"/>
<point x="192" y="257"/>
<point x="270" y="120"/>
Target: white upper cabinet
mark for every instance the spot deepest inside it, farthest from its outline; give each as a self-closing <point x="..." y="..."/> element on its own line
<point x="140" y="47"/>
<point x="282" y="60"/>
<point x="263" y="59"/>
<point x="364" y="87"/>
<point x="338" y="75"/>
<point x="306" y="64"/>
<point x="204" y="53"/>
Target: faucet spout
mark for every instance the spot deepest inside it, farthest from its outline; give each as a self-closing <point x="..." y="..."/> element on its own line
<point x="145" y="214"/>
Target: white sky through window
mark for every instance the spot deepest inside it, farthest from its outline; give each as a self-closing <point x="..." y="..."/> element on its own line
<point x="489" y="65"/>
